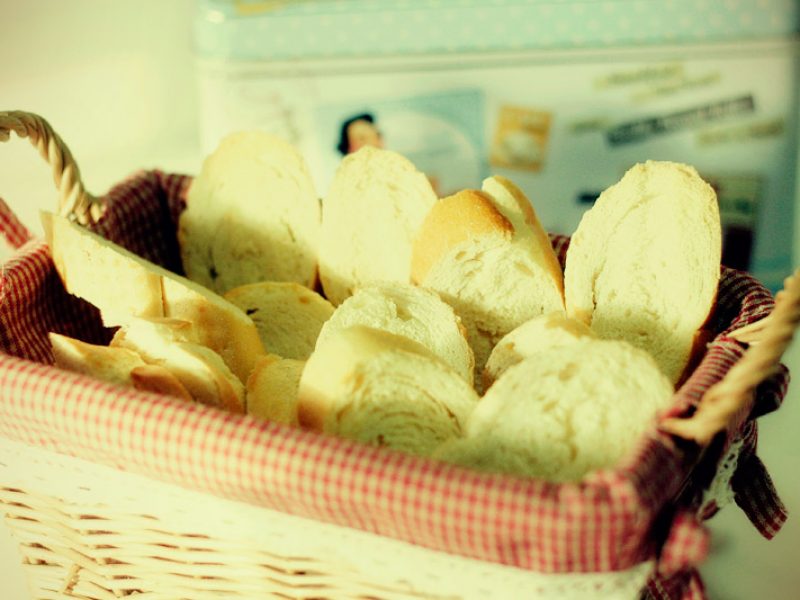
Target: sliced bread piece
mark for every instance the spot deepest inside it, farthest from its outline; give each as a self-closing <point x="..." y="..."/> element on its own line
<point x="376" y="202"/>
<point x="383" y="389"/>
<point x="116" y="365"/>
<point x="124" y="286"/>
<point x="644" y="263"/>
<point x="488" y="258"/>
<point x="288" y="315"/>
<point x="252" y="214"/>
<point x="540" y="334"/>
<point x="166" y="343"/>
<point x="412" y="312"/>
<point x="591" y="403"/>
<point x="272" y="389"/>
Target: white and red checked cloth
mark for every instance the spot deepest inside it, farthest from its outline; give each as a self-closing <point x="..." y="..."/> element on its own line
<point x="612" y="520"/>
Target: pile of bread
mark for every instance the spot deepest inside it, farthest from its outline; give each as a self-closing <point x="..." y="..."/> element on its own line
<point x="381" y="313"/>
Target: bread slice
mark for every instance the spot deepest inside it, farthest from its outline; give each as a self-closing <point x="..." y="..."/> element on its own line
<point x="272" y="389"/>
<point x="383" y="389"/>
<point x="591" y="403"/>
<point x="644" y="263"/>
<point x="288" y="315"/>
<point x="124" y="286"/>
<point x="487" y="256"/>
<point x="116" y="365"/>
<point x="416" y="313"/>
<point x="540" y="334"/>
<point x="252" y="214"/>
<point x="167" y="343"/>
<point x="376" y="202"/>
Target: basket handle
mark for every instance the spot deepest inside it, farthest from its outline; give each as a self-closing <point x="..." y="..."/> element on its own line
<point x="74" y="201"/>
<point x="726" y="404"/>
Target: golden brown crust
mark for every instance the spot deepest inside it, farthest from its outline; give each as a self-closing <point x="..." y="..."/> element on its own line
<point x="453" y="220"/>
<point x="157" y="379"/>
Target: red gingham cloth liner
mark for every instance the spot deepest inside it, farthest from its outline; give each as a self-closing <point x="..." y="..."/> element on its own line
<point x="603" y="523"/>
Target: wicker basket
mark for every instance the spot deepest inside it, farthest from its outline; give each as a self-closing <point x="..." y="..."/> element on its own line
<point x="113" y="492"/>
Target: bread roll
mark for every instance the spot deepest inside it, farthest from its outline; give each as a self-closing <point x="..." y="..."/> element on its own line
<point x="487" y="256"/>
<point x="272" y="389"/>
<point x="383" y="389"/>
<point x="168" y="344"/>
<point x="591" y="403"/>
<point x="376" y="202"/>
<point x="644" y="263"/>
<point x="288" y="316"/>
<point x="418" y="314"/>
<point x="116" y="365"/>
<point x="252" y="214"/>
<point x="540" y="334"/>
<point x="124" y="286"/>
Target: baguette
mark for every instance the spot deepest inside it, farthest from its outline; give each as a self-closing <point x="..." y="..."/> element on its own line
<point x="168" y="343"/>
<point x="644" y="263"/>
<point x="592" y="401"/>
<point x="376" y="203"/>
<point x="116" y="365"/>
<point x="487" y="256"/>
<point x="540" y="334"/>
<point x="272" y="389"/>
<point x="252" y="215"/>
<point x="124" y="286"/>
<point x="383" y="389"/>
<point x="288" y="316"/>
<point x="416" y="313"/>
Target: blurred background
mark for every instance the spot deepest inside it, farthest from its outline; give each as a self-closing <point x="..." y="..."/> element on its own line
<point x="560" y="96"/>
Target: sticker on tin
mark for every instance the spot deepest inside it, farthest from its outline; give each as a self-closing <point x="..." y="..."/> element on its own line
<point x="642" y="129"/>
<point x="441" y="133"/>
<point x="735" y="134"/>
<point x="672" y="87"/>
<point x="521" y="136"/>
<point x="639" y="75"/>
<point x="585" y="125"/>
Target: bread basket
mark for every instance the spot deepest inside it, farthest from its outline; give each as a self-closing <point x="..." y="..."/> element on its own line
<point x="112" y="492"/>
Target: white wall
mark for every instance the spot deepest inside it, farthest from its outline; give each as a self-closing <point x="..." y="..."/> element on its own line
<point x="116" y="81"/>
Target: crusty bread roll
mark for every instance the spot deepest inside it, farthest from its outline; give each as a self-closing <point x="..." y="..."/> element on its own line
<point x="487" y="256"/>
<point x="272" y="389"/>
<point x="252" y="214"/>
<point x="376" y="202"/>
<point x="288" y="315"/>
<point x="383" y="389"/>
<point x="169" y="343"/>
<point x="123" y="286"/>
<point x="644" y="263"/>
<point x="116" y="365"/>
<point x="540" y="334"/>
<point x="560" y="414"/>
<point x="412" y="312"/>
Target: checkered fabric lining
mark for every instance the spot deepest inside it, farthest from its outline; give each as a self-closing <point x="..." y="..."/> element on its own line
<point x="611" y="520"/>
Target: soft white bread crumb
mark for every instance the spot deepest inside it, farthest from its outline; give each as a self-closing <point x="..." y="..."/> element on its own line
<point x="125" y="286"/>
<point x="560" y="414"/>
<point x="487" y="256"/>
<point x="116" y="365"/>
<point x="288" y="316"/>
<point x="272" y="389"/>
<point x="383" y="389"/>
<point x="540" y="334"/>
<point x="644" y="263"/>
<point x="252" y="214"/>
<point x="168" y="343"/>
<point x="412" y="312"/>
<point x="376" y="202"/>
